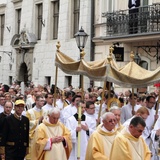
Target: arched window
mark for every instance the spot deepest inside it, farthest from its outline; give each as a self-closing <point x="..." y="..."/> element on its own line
<point x="144" y="64"/>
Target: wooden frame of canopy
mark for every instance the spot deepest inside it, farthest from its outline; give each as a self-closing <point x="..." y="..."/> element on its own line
<point x="79" y="108"/>
<point x="136" y="75"/>
<point x="129" y="75"/>
<point x="56" y="74"/>
<point x="85" y="68"/>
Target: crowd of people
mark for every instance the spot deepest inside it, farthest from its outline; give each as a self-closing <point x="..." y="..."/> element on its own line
<point x="40" y="124"/>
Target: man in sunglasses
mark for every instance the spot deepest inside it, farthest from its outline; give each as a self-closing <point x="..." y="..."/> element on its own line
<point x="100" y="142"/>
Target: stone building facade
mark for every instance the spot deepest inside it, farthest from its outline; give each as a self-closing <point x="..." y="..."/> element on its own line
<point x="30" y="30"/>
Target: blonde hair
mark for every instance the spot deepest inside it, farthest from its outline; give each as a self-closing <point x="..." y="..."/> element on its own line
<point x="143" y="110"/>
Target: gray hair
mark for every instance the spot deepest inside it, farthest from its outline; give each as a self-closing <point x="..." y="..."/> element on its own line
<point x="105" y="115"/>
<point x="54" y="110"/>
<point x="113" y="108"/>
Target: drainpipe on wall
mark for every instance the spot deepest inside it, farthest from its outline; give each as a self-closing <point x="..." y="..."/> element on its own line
<point x="92" y="46"/>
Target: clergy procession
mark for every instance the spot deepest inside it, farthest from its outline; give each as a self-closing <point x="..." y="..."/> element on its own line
<point x="70" y="125"/>
<point x="112" y="111"/>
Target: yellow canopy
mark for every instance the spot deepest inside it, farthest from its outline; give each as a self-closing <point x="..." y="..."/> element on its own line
<point x="95" y="70"/>
<point x="131" y="75"/>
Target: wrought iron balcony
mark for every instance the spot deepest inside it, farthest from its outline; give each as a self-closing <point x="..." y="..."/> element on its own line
<point x="139" y="20"/>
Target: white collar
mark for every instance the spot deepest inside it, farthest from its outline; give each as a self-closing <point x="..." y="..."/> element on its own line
<point x="105" y="130"/>
<point x="37" y="109"/>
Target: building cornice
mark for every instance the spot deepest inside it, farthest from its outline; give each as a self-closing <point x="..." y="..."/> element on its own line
<point x="2" y="5"/>
<point x="127" y="38"/>
<point x="16" y="1"/>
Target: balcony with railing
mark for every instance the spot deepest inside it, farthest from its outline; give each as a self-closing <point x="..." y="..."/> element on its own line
<point x="138" y="21"/>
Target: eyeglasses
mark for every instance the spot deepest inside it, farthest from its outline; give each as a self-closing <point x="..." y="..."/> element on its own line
<point x="152" y="102"/>
<point x="112" y="120"/>
<point x="92" y="108"/>
<point x="40" y="100"/>
<point x="50" y="97"/>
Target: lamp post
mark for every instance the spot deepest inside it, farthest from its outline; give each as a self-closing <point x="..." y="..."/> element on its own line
<point x="81" y="39"/>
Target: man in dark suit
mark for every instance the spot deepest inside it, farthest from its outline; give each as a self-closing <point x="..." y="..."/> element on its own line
<point x="15" y="134"/>
<point x="133" y="15"/>
<point x="8" y="106"/>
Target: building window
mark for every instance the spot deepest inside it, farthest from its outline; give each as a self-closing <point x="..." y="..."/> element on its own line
<point x="2" y="21"/>
<point x="68" y="81"/>
<point x="10" y="80"/>
<point x="18" y="20"/>
<point x="76" y="13"/>
<point x="48" y="80"/>
<point x="144" y="64"/>
<point x="144" y="2"/>
<point x="55" y="18"/>
<point x="110" y="6"/>
<point x="39" y="13"/>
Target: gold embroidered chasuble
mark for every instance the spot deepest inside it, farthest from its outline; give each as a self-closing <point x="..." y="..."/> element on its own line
<point x="128" y="147"/>
<point x="57" y="151"/>
<point x="99" y="144"/>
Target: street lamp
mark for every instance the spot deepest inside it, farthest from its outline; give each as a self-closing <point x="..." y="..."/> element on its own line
<point x="81" y="39"/>
<point x="137" y="58"/>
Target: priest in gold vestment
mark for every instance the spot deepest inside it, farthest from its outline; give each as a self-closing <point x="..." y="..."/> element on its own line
<point x="35" y="116"/>
<point x="117" y="112"/>
<point x="100" y="142"/>
<point x="52" y="139"/>
<point x="129" y="145"/>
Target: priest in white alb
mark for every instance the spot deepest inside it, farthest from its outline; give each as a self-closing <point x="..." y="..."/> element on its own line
<point x="85" y="129"/>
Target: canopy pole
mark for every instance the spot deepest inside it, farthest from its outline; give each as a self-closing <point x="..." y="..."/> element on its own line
<point x="82" y="85"/>
<point x="55" y="87"/>
<point x="157" y="106"/>
<point x="100" y="108"/>
<point x="58" y="45"/>
<point x="109" y="91"/>
<point x="133" y="103"/>
<point x="79" y="133"/>
<point x="82" y="54"/>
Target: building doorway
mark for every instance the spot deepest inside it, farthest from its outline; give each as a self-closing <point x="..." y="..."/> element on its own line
<point x="23" y="74"/>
